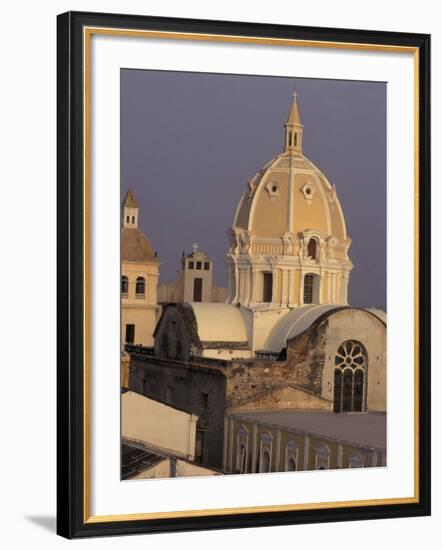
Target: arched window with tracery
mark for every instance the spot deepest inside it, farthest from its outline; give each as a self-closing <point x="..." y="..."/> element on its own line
<point x="349" y="392"/>
<point x="140" y="287"/>
<point x="124" y="286"/>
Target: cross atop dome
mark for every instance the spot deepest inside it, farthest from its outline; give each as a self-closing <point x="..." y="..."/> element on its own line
<point x="294" y="117"/>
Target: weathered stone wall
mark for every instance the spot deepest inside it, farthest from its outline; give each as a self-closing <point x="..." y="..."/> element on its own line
<point x="287" y="397"/>
<point x="248" y="379"/>
<point x="198" y="389"/>
<point x="303" y="368"/>
<point x="306" y="355"/>
<point x="176" y="335"/>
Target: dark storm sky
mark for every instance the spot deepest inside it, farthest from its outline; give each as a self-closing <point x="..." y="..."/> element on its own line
<point x="190" y="141"/>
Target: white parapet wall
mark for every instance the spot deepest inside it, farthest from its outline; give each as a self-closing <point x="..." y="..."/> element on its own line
<point x="158" y="425"/>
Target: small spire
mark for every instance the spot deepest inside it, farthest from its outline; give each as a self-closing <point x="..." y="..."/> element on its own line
<point x="130" y="211"/>
<point x="294" y="117"/>
<point x="294" y="128"/>
<point x="195" y="247"/>
<point x="130" y="200"/>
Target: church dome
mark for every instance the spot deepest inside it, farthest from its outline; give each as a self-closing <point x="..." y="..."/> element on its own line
<point x="290" y="195"/>
<point x="288" y="242"/>
<point x="135" y="246"/>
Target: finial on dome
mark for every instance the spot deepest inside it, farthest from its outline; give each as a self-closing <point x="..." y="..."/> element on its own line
<point x="294" y="117"/>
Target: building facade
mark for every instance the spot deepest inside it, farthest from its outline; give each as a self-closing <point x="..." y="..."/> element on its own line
<point x="194" y="282"/>
<point x="284" y="441"/>
<point x="139" y="279"/>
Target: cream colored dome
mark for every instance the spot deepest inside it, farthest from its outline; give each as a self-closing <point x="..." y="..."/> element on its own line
<point x="290" y="195"/>
<point x="288" y="242"/>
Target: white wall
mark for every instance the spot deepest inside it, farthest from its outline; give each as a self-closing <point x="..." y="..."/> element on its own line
<point x="27" y="503"/>
<point x="151" y="422"/>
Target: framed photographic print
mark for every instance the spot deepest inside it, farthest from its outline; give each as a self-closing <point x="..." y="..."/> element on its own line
<point x="239" y="206"/>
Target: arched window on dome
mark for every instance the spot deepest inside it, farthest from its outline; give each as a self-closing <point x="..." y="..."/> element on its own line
<point x="312" y="249"/>
<point x="124" y="286"/>
<point x="140" y="287"/>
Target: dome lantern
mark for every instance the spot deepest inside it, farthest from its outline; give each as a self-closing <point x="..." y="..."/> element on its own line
<point x="293" y="128"/>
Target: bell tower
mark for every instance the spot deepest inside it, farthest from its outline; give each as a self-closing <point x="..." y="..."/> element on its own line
<point x="130" y="211"/>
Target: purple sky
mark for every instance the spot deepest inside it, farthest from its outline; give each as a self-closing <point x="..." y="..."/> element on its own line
<point x="190" y="141"/>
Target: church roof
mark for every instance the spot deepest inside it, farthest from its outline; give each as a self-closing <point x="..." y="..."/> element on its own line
<point x="219" y="322"/>
<point x="130" y="200"/>
<point x="135" y="246"/>
<point x="301" y="318"/>
<point x="135" y="458"/>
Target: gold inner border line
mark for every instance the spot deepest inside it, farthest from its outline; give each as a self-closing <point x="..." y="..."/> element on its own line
<point x="87" y="34"/>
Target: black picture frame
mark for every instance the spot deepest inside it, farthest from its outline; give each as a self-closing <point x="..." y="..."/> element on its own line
<point x="72" y="520"/>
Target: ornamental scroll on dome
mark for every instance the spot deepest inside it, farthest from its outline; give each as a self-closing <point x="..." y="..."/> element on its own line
<point x="244" y="242"/>
<point x="240" y="241"/>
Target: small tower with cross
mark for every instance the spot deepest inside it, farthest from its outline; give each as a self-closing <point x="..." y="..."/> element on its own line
<point x="294" y="128"/>
<point x="196" y="278"/>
